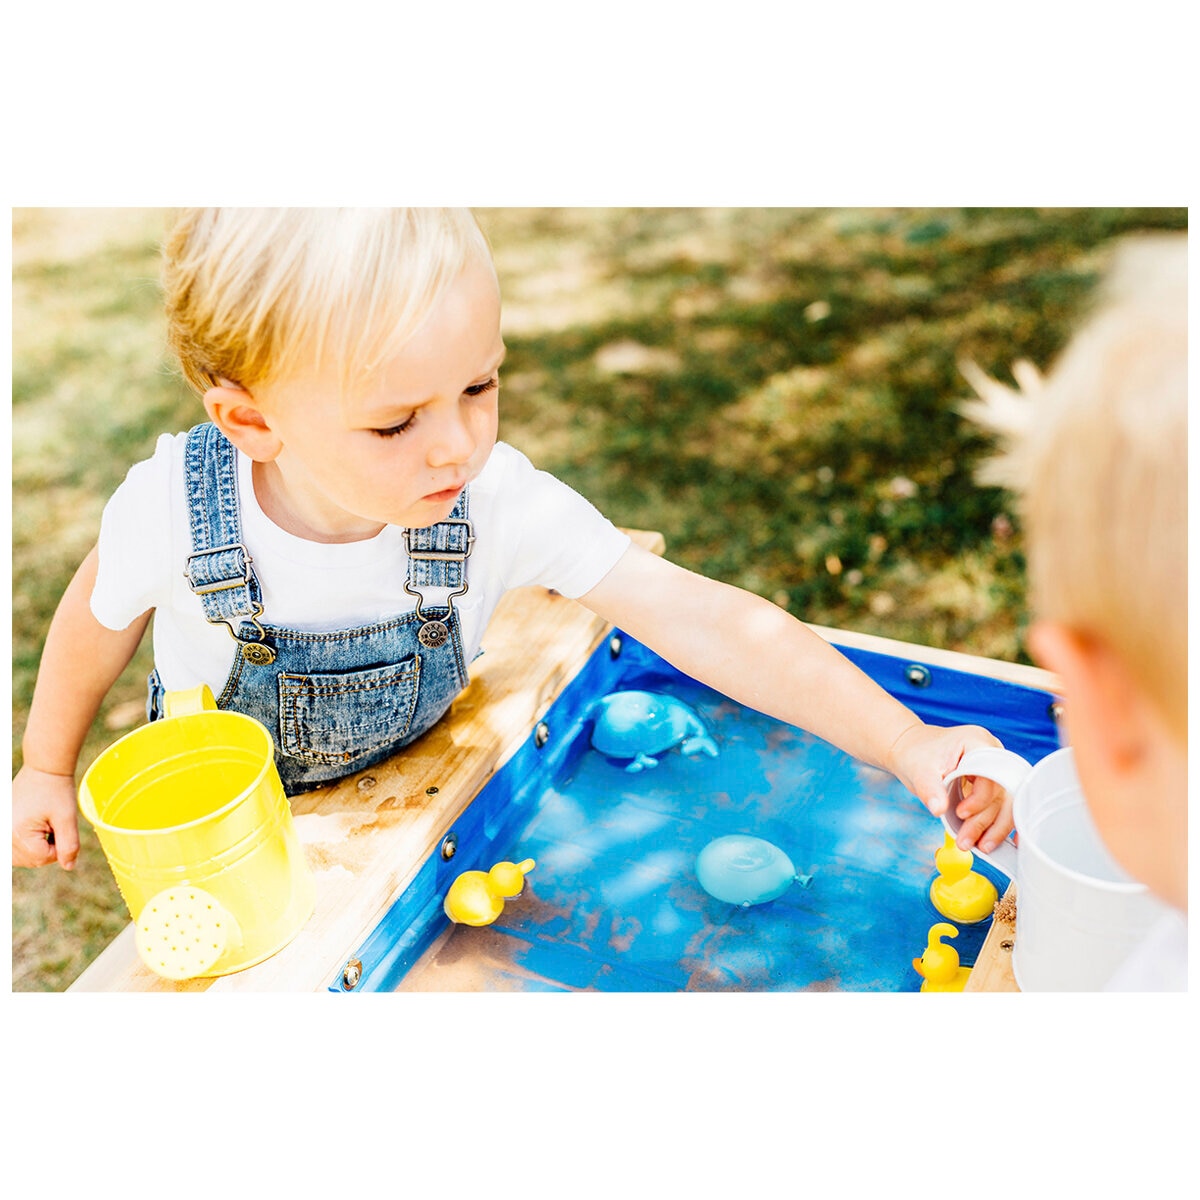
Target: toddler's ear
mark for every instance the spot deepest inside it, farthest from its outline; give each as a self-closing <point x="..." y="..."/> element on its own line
<point x="234" y="412"/>
<point x="1105" y="710"/>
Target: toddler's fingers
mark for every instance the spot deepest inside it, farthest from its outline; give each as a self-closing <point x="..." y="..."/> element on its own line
<point x="926" y="784"/>
<point x="999" y="829"/>
<point x="977" y="829"/>
<point x="989" y="827"/>
<point x="30" y="849"/>
<point x="979" y="794"/>
<point x="932" y="793"/>
<point x="65" y="844"/>
<point x="1028" y="377"/>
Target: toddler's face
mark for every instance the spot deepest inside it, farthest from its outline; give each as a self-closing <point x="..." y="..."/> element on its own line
<point x="399" y="449"/>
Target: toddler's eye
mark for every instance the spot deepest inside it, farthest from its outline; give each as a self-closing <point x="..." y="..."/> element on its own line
<point x="477" y="389"/>
<point x="395" y="430"/>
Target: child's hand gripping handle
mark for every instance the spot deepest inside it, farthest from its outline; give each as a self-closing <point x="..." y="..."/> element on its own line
<point x="1004" y="768"/>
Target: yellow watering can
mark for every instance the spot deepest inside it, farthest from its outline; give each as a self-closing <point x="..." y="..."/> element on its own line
<point x="194" y="822"/>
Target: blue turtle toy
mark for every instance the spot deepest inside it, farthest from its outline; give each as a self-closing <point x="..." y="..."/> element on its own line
<point x="639" y="725"/>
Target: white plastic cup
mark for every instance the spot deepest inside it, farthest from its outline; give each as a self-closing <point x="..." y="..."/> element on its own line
<point x="1079" y="914"/>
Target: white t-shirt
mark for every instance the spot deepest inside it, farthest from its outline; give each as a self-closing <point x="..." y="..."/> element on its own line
<point x="530" y="528"/>
<point x="1159" y="964"/>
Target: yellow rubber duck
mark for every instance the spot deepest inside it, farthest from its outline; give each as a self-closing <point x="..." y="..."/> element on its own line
<point x="958" y="892"/>
<point x="939" y="964"/>
<point x="477" y="897"/>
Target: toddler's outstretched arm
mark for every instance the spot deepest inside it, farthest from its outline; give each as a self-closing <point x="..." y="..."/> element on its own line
<point x="80" y="662"/>
<point x="758" y="654"/>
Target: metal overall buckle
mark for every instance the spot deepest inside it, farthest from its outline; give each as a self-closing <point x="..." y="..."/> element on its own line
<point x="219" y="585"/>
<point x="257" y="653"/>
<point x="434" y="630"/>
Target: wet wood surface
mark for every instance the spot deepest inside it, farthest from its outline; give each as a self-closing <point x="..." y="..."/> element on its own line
<point x="993" y="968"/>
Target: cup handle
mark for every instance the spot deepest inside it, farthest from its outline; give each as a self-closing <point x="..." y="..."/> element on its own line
<point x="189" y="700"/>
<point x="1002" y="767"/>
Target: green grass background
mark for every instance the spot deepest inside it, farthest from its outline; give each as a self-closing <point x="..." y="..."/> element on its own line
<point x="773" y="389"/>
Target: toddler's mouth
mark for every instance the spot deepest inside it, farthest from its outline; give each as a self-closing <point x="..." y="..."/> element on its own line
<point x="445" y="494"/>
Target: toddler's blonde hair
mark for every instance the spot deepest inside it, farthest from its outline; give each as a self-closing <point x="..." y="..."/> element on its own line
<point x="1098" y="453"/>
<point x="256" y="294"/>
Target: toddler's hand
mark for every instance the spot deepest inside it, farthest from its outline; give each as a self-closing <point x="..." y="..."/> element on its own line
<point x="924" y="754"/>
<point x="43" y="804"/>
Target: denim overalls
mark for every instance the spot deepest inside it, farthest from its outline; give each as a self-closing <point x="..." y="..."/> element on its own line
<point x="333" y="702"/>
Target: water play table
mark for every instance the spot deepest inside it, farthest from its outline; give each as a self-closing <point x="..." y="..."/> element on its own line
<point x="367" y="836"/>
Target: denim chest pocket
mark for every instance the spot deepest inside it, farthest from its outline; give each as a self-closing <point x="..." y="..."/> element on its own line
<point x="328" y="718"/>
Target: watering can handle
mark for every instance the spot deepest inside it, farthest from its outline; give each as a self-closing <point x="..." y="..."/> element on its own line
<point x="1002" y="767"/>
<point x="189" y="700"/>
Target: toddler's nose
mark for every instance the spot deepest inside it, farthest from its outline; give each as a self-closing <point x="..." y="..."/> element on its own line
<point x="454" y="442"/>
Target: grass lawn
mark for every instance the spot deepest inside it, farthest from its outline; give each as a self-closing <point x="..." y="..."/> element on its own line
<point x="773" y="389"/>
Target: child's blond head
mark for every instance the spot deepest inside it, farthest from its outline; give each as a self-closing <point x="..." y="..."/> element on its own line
<point x="256" y="294"/>
<point x="1098" y="452"/>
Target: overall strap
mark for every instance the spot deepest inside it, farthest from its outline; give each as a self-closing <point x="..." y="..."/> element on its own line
<point x="219" y="568"/>
<point x="437" y="554"/>
<point x="437" y="557"/>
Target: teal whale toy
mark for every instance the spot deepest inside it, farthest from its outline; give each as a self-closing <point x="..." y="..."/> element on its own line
<point x="640" y="725"/>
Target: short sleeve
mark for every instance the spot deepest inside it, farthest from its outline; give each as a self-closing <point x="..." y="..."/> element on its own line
<point x="556" y="537"/>
<point x="134" y="544"/>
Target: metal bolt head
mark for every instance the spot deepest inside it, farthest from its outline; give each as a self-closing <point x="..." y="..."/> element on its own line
<point x="1056" y="710"/>
<point x="541" y="735"/>
<point x="352" y="974"/>
<point x="614" y="646"/>
<point x="918" y="675"/>
<point x="449" y="847"/>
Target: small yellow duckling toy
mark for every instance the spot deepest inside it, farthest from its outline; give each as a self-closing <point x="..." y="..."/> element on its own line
<point x="477" y="897"/>
<point x="939" y="964"/>
<point x="958" y="892"/>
